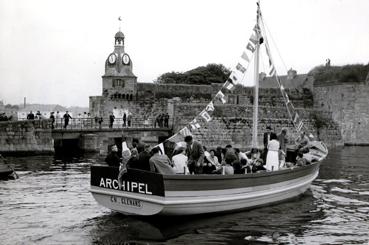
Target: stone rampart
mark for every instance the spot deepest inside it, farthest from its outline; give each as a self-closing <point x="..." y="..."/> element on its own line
<point x="26" y="137"/>
<point x="348" y="103"/>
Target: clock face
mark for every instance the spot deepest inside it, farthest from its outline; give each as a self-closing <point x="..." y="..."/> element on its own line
<point x="125" y="59"/>
<point x="112" y="59"/>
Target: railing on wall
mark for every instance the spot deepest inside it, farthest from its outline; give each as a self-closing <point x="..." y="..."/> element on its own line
<point x="92" y="123"/>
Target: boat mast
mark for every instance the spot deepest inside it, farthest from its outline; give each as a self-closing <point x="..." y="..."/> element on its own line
<point x="256" y="77"/>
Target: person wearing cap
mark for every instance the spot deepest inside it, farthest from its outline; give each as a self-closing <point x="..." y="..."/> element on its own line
<point x="180" y="161"/>
<point x="195" y="154"/>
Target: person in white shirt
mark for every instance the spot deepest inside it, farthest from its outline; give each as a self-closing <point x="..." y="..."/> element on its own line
<point x="213" y="159"/>
<point x="272" y="160"/>
<point x="180" y="162"/>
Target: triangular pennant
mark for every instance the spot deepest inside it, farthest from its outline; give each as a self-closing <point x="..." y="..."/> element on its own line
<point x="185" y="131"/>
<point x="245" y="57"/>
<point x="256" y="28"/>
<point x="221" y="97"/>
<point x="296" y="117"/>
<point x="253" y="39"/>
<point x="206" y="116"/>
<point x="229" y="84"/>
<point x="210" y="106"/>
<point x="240" y="68"/>
<point x="194" y="124"/>
<point x="161" y="146"/>
<point x="299" y="127"/>
<point x="250" y="47"/>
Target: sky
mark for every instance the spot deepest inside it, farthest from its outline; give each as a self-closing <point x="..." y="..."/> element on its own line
<point x="53" y="52"/>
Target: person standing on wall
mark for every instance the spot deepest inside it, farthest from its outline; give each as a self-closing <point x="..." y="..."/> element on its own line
<point x="66" y="119"/>
<point x="129" y="119"/>
<point x="52" y="117"/>
<point x="111" y="120"/>
<point x="124" y="119"/>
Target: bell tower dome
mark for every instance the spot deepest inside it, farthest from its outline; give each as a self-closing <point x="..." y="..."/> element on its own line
<point x="119" y="82"/>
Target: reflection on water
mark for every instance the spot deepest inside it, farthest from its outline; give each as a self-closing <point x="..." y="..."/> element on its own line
<point x="50" y="204"/>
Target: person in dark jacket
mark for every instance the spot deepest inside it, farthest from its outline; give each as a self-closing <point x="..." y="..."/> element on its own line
<point x="52" y="117"/>
<point x="111" y="120"/>
<point x="134" y="161"/>
<point x="144" y="158"/>
<point x="30" y="116"/>
<point x="66" y="119"/>
<point x="113" y="158"/>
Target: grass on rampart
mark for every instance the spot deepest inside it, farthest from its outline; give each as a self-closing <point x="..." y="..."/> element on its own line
<point x="343" y="74"/>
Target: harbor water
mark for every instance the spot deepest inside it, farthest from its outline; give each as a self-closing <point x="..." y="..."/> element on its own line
<point x="50" y="204"/>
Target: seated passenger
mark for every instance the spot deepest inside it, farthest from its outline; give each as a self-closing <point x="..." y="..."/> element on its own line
<point x="213" y="159"/>
<point x="180" y="161"/>
<point x="133" y="161"/>
<point x="300" y="160"/>
<point x="113" y="159"/>
<point x="229" y="158"/>
<point x="302" y="142"/>
<point x="209" y="168"/>
<point x="160" y="163"/>
<point x="255" y="163"/>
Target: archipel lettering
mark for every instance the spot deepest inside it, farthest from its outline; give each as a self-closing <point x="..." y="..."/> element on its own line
<point x="130" y="186"/>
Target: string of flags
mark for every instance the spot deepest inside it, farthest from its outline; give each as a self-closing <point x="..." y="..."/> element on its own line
<point x="237" y="74"/>
<point x="296" y="119"/>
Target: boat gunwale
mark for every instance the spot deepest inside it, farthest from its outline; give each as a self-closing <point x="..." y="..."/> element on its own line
<point x="239" y="176"/>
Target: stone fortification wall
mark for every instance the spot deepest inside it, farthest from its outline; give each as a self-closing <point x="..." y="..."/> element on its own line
<point x="26" y="137"/>
<point x="232" y="124"/>
<point x="349" y="104"/>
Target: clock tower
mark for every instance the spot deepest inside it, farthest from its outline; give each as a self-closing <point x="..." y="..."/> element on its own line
<point x="119" y="84"/>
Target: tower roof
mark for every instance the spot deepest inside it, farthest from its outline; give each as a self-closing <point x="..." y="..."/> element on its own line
<point x="119" y="34"/>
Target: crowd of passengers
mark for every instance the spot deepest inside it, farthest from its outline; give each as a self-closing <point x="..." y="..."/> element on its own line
<point x="193" y="158"/>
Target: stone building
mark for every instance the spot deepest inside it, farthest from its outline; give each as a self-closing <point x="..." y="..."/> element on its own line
<point x="231" y="122"/>
<point x="119" y="84"/>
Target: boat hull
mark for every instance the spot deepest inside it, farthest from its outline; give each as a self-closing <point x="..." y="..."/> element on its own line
<point x="201" y="194"/>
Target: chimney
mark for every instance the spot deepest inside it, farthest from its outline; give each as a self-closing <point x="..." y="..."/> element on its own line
<point x="291" y="74"/>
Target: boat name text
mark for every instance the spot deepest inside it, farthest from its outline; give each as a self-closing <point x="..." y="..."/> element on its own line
<point x="130" y="186"/>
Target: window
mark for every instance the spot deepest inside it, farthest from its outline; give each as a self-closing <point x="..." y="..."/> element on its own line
<point x="118" y="83"/>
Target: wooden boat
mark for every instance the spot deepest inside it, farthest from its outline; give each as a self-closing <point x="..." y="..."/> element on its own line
<point x="6" y="172"/>
<point x="147" y="193"/>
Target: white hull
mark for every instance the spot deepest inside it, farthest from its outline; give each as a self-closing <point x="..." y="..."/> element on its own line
<point x="201" y="202"/>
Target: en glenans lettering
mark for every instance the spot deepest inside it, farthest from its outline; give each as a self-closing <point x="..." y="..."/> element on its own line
<point x="130" y="186"/>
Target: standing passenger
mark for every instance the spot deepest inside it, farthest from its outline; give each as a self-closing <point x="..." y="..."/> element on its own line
<point x="272" y="160"/>
<point x="195" y="154"/>
<point x="160" y="163"/>
<point x="180" y="162"/>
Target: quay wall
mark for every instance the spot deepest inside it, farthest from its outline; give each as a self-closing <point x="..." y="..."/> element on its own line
<point x="349" y="104"/>
<point x="25" y="137"/>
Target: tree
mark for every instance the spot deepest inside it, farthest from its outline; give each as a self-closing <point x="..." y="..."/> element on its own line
<point x="211" y="73"/>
